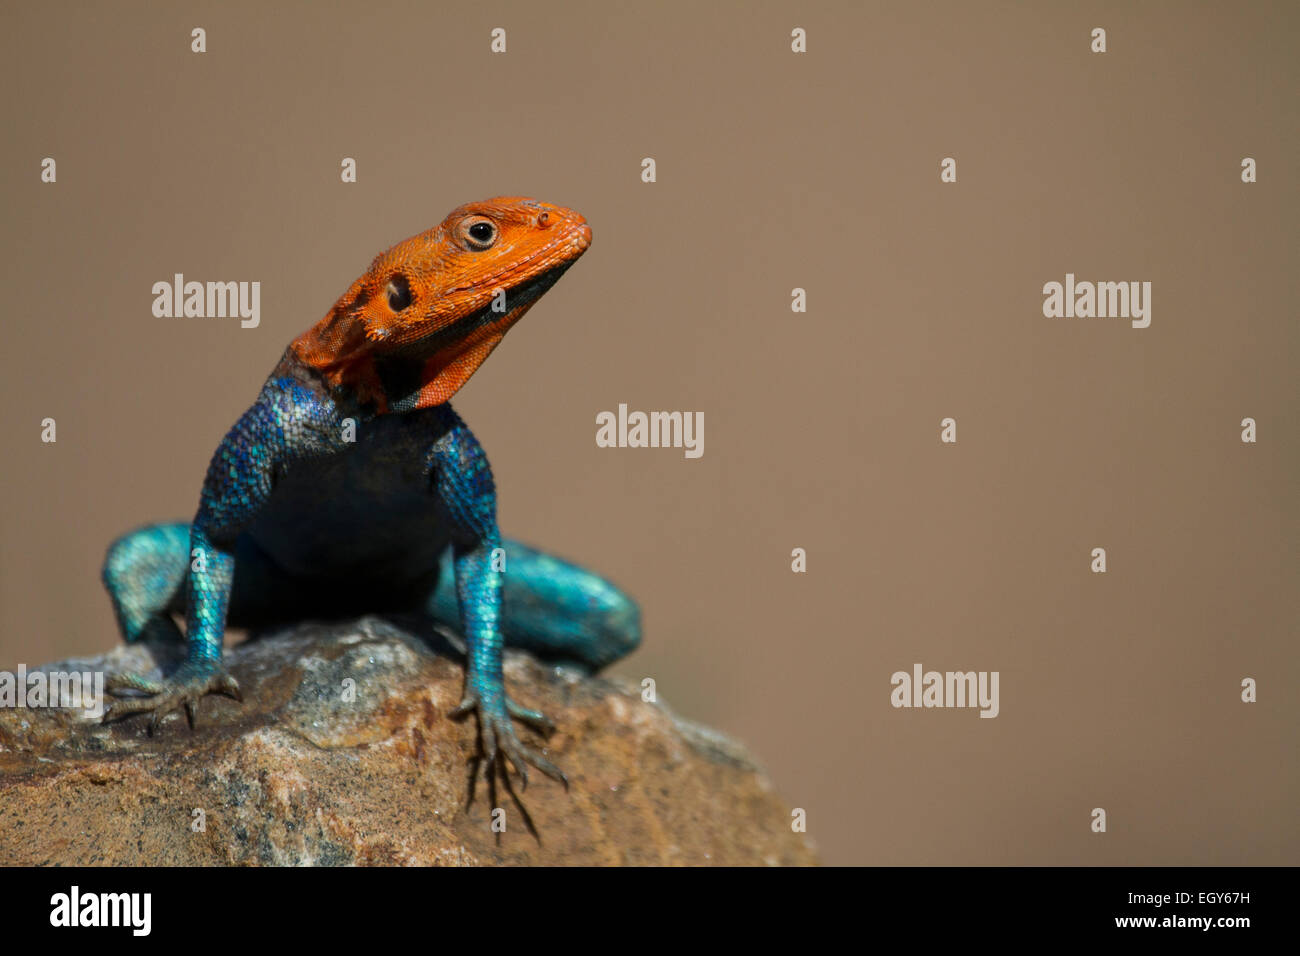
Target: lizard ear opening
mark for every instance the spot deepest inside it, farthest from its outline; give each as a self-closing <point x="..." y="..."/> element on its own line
<point x="398" y="292"/>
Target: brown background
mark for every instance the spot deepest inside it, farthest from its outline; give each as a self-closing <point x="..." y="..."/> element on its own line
<point x="775" y="170"/>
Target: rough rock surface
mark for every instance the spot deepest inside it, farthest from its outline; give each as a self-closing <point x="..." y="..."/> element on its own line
<point x="302" y="772"/>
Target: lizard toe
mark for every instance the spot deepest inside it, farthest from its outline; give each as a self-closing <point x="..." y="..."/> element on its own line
<point x="128" y="682"/>
<point x="521" y="756"/>
<point x="467" y="705"/>
<point x="183" y="689"/>
<point x="226" y="684"/>
<point x="533" y="718"/>
<point x="497" y="740"/>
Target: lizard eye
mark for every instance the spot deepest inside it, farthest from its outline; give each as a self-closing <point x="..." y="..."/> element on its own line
<point x="481" y="234"/>
<point x="399" y="293"/>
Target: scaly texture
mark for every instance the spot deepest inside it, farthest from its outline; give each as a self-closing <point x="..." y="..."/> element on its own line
<point x="351" y="485"/>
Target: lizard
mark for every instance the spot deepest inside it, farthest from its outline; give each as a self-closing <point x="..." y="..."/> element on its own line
<point x="297" y="518"/>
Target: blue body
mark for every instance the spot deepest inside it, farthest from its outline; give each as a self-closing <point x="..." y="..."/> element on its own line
<point x="297" y="521"/>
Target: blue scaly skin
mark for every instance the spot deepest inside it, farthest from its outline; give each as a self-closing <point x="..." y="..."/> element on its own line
<point x="351" y="484"/>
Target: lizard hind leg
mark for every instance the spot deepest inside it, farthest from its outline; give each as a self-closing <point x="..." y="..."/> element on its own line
<point x="555" y="610"/>
<point x="144" y="572"/>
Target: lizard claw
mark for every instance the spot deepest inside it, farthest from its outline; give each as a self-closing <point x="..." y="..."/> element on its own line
<point x="182" y="689"/>
<point x="499" y="743"/>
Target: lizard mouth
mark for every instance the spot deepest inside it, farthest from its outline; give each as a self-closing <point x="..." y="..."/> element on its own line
<point x="529" y="291"/>
<point x="431" y="370"/>
<point x="465" y="332"/>
<point x="564" y="250"/>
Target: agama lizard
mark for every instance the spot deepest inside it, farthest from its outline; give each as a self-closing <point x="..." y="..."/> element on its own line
<point x="351" y="485"/>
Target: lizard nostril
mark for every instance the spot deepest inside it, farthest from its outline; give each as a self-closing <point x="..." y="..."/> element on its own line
<point x="543" y="219"/>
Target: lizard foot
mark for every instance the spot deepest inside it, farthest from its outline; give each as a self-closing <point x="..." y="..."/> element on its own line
<point x="497" y="737"/>
<point x="183" y="688"/>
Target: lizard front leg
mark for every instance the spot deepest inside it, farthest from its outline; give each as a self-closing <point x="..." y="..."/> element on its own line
<point x="208" y="595"/>
<point x="238" y="484"/>
<point x="462" y="480"/>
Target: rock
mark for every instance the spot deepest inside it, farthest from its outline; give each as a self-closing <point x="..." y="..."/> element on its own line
<point x="299" y="774"/>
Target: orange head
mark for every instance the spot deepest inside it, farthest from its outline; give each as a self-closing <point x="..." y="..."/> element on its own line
<point x="416" y="326"/>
